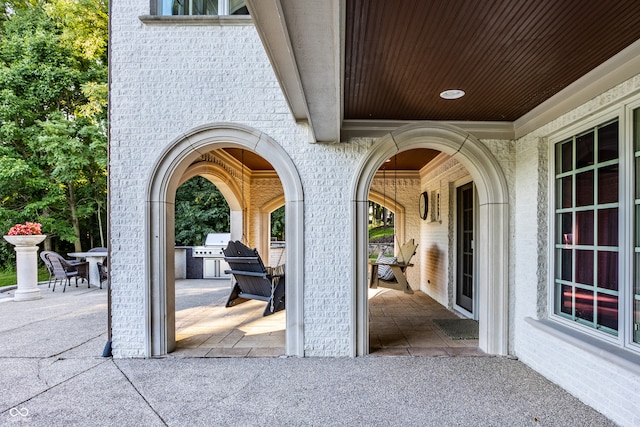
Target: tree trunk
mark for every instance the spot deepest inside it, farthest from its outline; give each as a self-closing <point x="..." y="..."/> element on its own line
<point x="74" y="218"/>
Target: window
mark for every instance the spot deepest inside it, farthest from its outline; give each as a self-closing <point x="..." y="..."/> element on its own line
<point x="636" y="223"/>
<point x="596" y="251"/>
<point x="586" y="239"/>
<point x="203" y="7"/>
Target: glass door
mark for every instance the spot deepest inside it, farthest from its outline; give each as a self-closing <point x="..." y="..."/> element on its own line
<point x="464" y="282"/>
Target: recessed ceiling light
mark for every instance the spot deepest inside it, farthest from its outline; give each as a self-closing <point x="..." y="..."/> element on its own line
<point x="452" y="94"/>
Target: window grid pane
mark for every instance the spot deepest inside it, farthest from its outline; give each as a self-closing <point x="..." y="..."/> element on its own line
<point x="587" y="212"/>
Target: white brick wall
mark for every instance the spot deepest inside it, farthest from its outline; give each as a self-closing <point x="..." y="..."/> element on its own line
<point x="169" y="79"/>
<point x="327" y="172"/>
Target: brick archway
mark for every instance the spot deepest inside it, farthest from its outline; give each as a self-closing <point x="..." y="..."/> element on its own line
<point x="163" y="182"/>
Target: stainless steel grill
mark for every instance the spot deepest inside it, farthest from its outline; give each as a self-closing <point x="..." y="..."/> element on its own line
<point x="213" y="263"/>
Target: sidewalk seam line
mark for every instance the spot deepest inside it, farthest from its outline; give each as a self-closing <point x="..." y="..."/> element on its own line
<point x="53" y="386"/>
<point x="140" y="394"/>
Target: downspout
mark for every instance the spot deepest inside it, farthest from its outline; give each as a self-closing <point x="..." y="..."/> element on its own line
<point x="107" y="348"/>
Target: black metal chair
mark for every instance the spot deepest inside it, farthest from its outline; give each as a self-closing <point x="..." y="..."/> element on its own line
<point x="253" y="279"/>
<point x="63" y="269"/>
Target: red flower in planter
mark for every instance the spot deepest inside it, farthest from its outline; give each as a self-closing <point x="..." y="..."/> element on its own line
<point x="26" y="229"/>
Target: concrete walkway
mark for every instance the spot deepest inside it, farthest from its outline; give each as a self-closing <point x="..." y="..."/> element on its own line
<point x="52" y="374"/>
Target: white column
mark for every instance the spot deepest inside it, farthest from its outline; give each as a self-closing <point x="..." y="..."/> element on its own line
<point x="27" y="269"/>
<point x="236" y="227"/>
<point x="26" y="266"/>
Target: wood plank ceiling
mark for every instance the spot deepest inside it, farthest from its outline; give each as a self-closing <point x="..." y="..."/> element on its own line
<point x="507" y="55"/>
<point x="407" y="160"/>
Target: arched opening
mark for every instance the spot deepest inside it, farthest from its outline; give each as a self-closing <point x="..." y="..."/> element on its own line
<point x="229" y="188"/>
<point x="178" y="163"/>
<point x="200" y="209"/>
<point x="492" y="226"/>
<point x="274" y="248"/>
<point x="387" y="201"/>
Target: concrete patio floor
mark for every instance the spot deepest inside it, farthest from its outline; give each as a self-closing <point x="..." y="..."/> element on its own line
<point x="52" y="374"/>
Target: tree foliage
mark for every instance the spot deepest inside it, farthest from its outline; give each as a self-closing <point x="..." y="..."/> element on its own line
<point x="277" y="224"/>
<point x="200" y="209"/>
<point x="53" y="117"/>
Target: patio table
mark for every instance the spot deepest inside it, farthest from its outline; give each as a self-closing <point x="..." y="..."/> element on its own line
<point x="93" y="258"/>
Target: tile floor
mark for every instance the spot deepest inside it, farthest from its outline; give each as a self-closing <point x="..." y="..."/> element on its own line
<point x="400" y="325"/>
<point x="206" y="328"/>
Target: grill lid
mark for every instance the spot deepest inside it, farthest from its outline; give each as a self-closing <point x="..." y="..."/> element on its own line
<point x="217" y="239"/>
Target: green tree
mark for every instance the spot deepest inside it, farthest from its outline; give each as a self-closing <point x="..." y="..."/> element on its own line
<point x="53" y="96"/>
<point x="277" y="224"/>
<point x="200" y="209"/>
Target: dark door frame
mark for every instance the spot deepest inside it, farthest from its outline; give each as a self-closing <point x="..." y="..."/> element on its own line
<point x="465" y="242"/>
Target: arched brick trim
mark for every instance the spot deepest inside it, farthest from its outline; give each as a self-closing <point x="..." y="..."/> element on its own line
<point x="493" y="226"/>
<point x="165" y="178"/>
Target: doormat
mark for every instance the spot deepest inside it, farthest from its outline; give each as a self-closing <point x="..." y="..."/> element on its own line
<point x="458" y="329"/>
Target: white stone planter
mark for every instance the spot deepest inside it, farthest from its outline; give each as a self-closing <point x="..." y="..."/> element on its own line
<point x="26" y="265"/>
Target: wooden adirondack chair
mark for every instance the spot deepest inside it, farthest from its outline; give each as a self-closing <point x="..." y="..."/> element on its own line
<point x="253" y="279"/>
<point x="399" y="267"/>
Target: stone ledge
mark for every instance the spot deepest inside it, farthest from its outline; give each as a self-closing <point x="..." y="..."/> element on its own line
<point x="202" y="20"/>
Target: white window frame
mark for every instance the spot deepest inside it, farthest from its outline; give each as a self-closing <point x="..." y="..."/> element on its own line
<point x="629" y="231"/>
<point x="623" y="112"/>
<point x="165" y="7"/>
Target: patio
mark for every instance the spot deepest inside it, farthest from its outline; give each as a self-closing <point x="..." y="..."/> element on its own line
<point x="50" y="362"/>
<point x="400" y="325"/>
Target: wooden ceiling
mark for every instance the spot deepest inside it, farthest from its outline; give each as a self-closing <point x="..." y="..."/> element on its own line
<point x="412" y="160"/>
<point x="251" y="160"/>
<point x="507" y="55"/>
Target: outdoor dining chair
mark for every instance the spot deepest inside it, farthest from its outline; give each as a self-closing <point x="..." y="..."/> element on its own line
<point x="47" y="263"/>
<point x="63" y="269"/>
